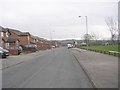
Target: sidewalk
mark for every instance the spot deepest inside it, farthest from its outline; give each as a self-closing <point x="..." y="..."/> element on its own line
<point x="101" y="68"/>
<point x="14" y="60"/>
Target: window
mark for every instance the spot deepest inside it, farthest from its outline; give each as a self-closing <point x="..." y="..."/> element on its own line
<point x="2" y="35"/>
<point x="6" y="34"/>
<point x="2" y="43"/>
<point x="28" y="38"/>
<point x="7" y="45"/>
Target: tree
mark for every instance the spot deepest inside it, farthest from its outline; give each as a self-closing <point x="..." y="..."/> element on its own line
<point x="95" y="36"/>
<point x="113" y="27"/>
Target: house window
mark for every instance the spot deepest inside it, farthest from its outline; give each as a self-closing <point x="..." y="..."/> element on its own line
<point x="2" y="43"/>
<point x="6" y="34"/>
<point x="28" y="38"/>
<point x="37" y="40"/>
<point x="7" y="45"/>
<point x="2" y="34"/>
<point x="17" y="43"/>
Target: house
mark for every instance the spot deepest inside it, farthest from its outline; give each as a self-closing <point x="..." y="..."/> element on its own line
<point x="6" y="41"/>
<point x="33" y="39"/>
<point x="10" y="38"/>
<point x="46" y="44"/>
<point x="3" y="37"/>
<point x="42" y="43"/>
<point x="23" y="37"/>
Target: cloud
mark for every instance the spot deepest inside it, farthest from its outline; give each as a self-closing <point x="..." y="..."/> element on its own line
<point x="39" y="17"/>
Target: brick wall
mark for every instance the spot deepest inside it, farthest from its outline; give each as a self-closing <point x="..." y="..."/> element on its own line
<point x="13" y="35"/>
<point x="43" y="45"/>
<point x="24" y="40"/>
<point x="4" y="38"/>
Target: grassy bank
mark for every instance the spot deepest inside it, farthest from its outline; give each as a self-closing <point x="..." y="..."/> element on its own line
<point x="104" y="48"/>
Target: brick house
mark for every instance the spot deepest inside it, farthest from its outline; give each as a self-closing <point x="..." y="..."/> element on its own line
<point x="23" y="37"/>
<point x="11" y="37"/>
<point x="5" y="40"/>
<point x="3" y="36"/>
<point x="43" y="44"/>
<point x="33" y="39"/>
<point x="14" y="39"/>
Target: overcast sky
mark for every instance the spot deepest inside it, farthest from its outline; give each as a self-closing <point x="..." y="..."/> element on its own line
<point x="60" y="17"/>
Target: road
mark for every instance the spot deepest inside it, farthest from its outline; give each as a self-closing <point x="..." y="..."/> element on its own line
<point x="57" y="68"/>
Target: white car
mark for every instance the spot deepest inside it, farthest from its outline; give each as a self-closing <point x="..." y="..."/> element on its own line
<point x="52" y="46"/>
<point x="69" y="46"/>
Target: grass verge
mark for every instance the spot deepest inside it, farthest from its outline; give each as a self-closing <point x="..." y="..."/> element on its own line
<point x="110" y="49"/>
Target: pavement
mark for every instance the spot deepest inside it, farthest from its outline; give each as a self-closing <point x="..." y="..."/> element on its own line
<point x="56" y="68"/>
<point x="101" y="68"/>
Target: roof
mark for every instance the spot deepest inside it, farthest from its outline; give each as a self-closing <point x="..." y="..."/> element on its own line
<point x="17" y="32"/>
<point x="2" y="29"/>
<point x="36" y="37"/>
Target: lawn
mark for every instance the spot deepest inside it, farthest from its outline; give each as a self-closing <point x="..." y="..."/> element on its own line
<point x="106" y="48"/>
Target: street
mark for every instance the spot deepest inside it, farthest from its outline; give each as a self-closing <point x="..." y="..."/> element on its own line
<point x="60" y="68"/>
<point x="59" y="44"/>
<point x="56" y="68"/>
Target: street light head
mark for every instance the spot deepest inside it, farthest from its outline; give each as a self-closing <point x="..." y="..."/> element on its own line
<point x="79" y="16"/>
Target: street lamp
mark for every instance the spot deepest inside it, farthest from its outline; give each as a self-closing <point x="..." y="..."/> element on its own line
<point x="86" y="29"/>
<point x="51" y="36"/>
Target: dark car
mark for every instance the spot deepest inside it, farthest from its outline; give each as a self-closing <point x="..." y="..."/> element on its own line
<point x="16" y="48"/>
<point x="30" y="47"/>
<point x="19" y="48"/>
<point x="2" y="54"/>
<point x="5" y="51"/>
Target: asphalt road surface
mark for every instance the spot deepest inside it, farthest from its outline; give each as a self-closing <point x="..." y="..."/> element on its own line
<point x="57" y="68"/>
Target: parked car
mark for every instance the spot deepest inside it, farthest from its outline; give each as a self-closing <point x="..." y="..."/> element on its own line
<point x="2" y="54"/>
<point x="52" y="46"/>
<point x="17" y="48"/>
<point x="69" y="46"/>
<point x="30" y="47"/>
<point x="5" y="51"/>
<point x="83" y="44"/>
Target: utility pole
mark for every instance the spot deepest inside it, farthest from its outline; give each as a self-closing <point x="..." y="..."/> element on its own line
<point x="86" y="30"/>
<point x="119" y="22"/>
<point x="51" y="38"/>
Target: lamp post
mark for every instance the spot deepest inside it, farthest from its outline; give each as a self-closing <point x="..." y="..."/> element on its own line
<point x="51" y="37"/>
<point x="86" y="30"/>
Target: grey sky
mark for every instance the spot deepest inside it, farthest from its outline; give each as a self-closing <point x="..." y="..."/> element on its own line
<point x="60" y="17"/>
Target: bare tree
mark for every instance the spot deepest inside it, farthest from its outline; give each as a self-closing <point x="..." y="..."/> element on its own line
<point x="112" y="26"/>
<point x="95" y="36"/>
